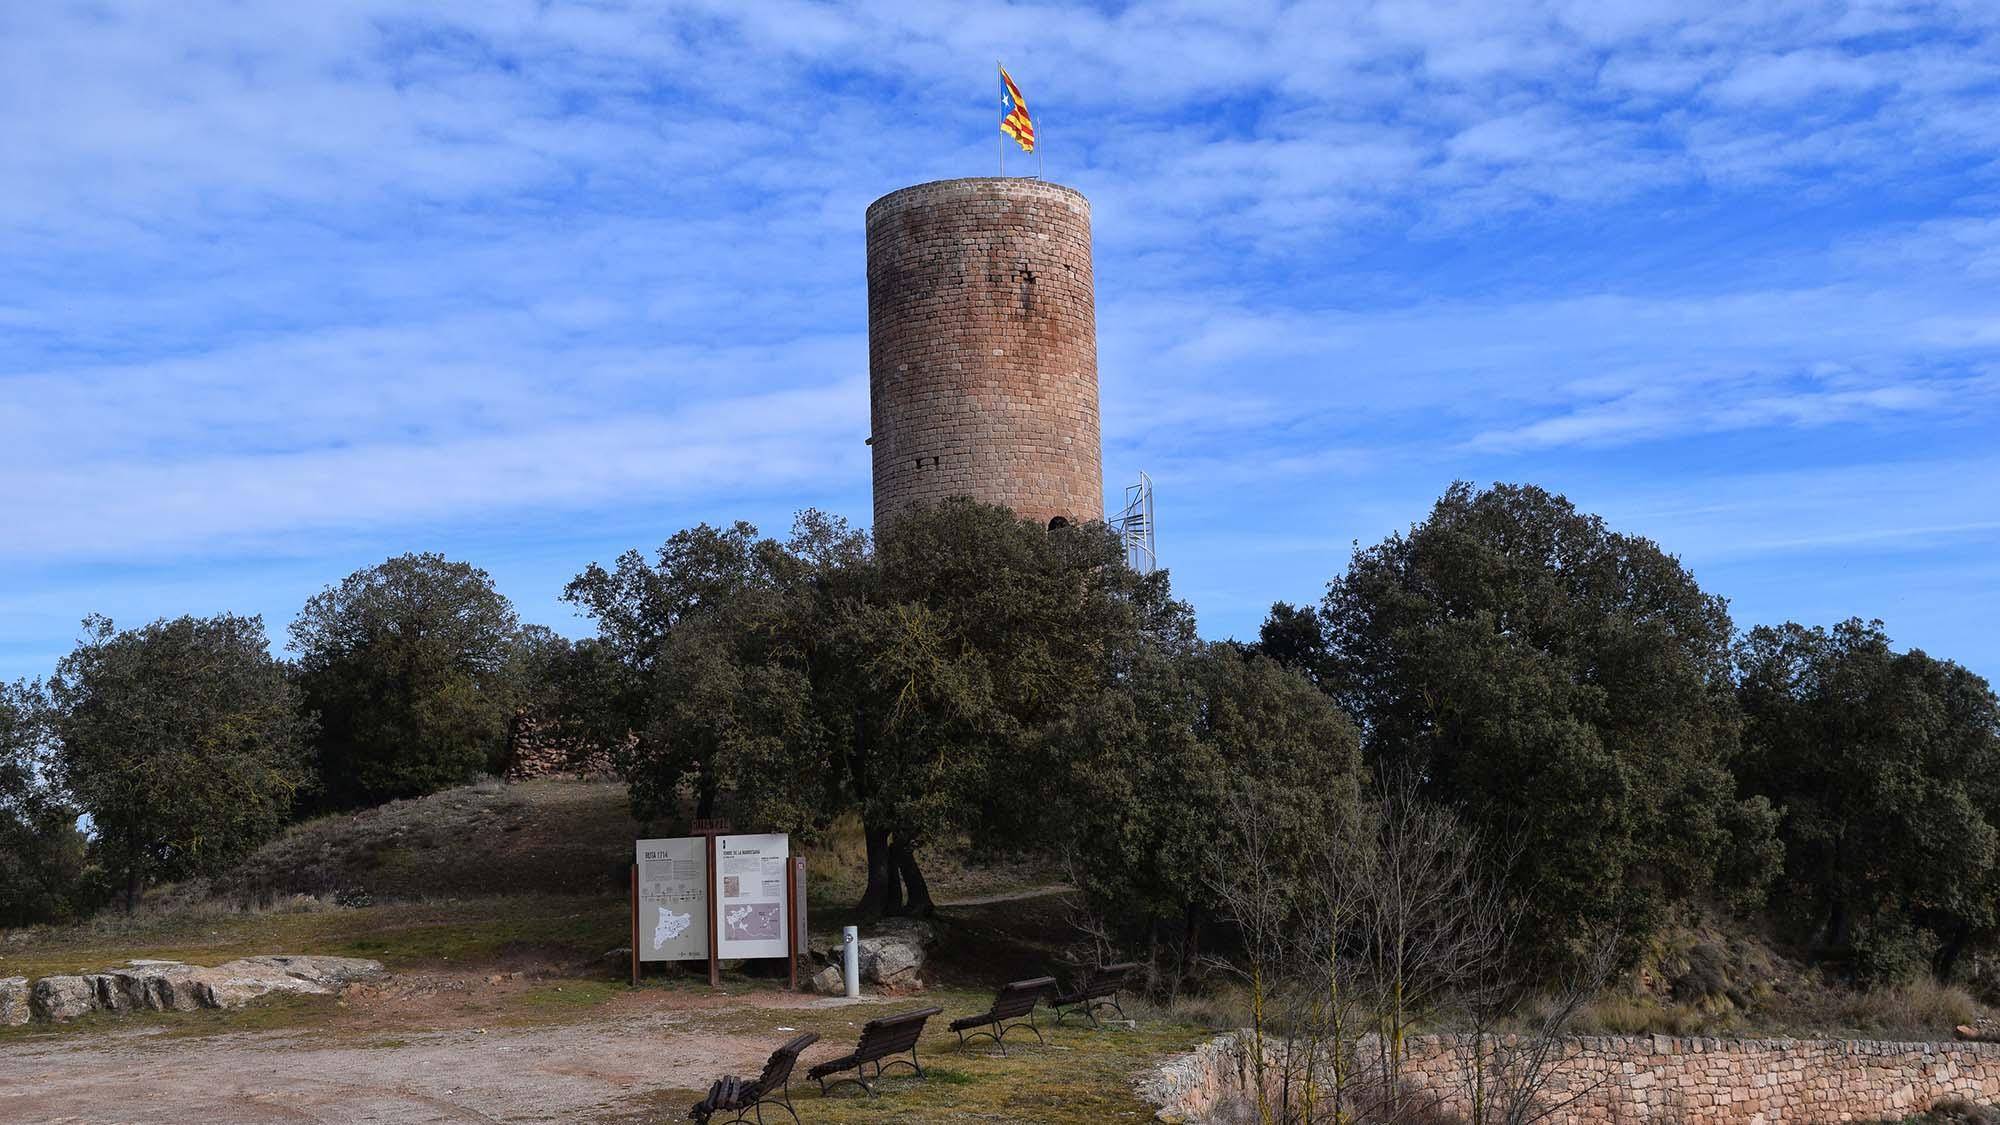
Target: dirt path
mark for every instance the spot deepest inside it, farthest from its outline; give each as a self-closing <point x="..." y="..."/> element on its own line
<point x="360" y="1068"/>
<point x="1010" y="896"/>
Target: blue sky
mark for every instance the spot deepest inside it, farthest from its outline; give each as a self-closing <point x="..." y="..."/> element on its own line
<point x="287" y="289"/>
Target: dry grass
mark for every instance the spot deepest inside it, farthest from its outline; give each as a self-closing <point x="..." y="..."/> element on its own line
<point x="1620" y="1014"/>
<point x="1080" y="1075"/>
<point x="471" y="873"/>
<point x="562" y="930"/>
<point x="837" y="869"/>
<point x="553" y="836"/>
<point x="1922" y="1009"/>
<point x="1222" y="1006"/>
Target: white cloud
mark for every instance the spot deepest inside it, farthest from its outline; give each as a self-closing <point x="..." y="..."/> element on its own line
<point x="271" y="268"/>
<point x="1782" y="80"/>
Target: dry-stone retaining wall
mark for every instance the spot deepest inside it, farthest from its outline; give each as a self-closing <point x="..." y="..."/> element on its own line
<point x="534" y="752"/>
<point x="1653" y="1079"/>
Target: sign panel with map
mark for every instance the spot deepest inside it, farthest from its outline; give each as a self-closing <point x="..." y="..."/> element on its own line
<point x="673" y="900"/>
<point x="751" y="896"/>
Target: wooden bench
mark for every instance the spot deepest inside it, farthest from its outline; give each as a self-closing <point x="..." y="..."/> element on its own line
<point x="740" y="1096"/>
<point x="1098" y="990"/>
<point x="1013" y="1002"/>
<point x="880" y="1039"/>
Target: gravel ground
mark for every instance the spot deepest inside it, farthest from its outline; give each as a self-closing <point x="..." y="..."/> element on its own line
<point x="364" y="1065"/>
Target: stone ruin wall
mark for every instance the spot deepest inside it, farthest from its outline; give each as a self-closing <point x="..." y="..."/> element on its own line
<point x="1655" y="1078"/>
<point x="982" y="349"/>
<point x="534" y="752"/>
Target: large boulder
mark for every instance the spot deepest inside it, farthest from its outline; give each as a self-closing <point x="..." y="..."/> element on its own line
<point x="109" y="991"/>
<point x="13" y="1001"/>
<point x="892" y="953"/>
<point x="62" y="998"/>
<point x="237" y="983"/>
<point x="893" y="956"/>
<point x="161" y="986"/>
<point x="827" y="982"/>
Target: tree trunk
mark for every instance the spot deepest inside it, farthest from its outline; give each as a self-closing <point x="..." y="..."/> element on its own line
<point x="133" y="882"/>
<point x="1945" y="960"/>
<point x="705" y="788"/>
<point x="892" y="903"/>
<point x="1838" y="930"/>
<point x="884" y="891"/>
<point x="1190" y="941"/>
<point x="904" y="856"/>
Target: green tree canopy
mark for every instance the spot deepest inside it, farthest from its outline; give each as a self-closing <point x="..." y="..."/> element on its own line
<point x="684" y="665"/>
<point x="1295" y="637"/>
<point x="907" y="680"/>
<point x="1569" y="687"/>
<point x="1885" y="767"/>
<point x="41" y="852"/>
<point x="182" y="740"/>
<point x="406" y="664"/>
<point x="1153" y="764"/>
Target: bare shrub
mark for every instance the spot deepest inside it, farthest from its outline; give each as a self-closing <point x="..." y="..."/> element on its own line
<point x="1396" y="925"/>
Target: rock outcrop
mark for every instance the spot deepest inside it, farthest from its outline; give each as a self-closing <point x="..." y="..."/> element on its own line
<point x="61" y="998"/>
<point x="892" y="956"/>
<point x="171" y="986"/>
<point x="13" y="1001"/>
<point x="239" y="982"/>
<point x="827" y="982"/>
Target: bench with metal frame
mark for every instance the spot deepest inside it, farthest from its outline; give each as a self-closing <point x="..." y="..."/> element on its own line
<point x="742" y="1097"/>
<point x="881" y="1040"/>
<point x="1014" y="1002"/>
<point x="1098" y="990"/>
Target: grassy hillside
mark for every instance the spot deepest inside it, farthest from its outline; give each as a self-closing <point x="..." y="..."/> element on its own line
<point x="526" y="875"/>
<point x="539" y="837"/>
<point x="564" y="837"/>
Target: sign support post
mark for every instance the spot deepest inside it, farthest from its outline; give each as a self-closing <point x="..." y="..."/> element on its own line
<point x="792" y="923"/>
<point x="714" y="909"/>
<point x="635" y="925"/>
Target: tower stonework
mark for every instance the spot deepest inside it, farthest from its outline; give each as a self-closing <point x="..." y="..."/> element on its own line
<point x="982" y="349"/>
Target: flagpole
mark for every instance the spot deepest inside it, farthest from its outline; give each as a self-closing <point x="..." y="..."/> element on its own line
<point x="998" y="72"/>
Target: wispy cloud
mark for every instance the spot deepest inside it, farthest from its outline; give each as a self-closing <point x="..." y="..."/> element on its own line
<point x="280" y="274"/>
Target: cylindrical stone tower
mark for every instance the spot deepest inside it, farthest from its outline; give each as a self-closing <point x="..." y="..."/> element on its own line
<point x="982" y="348"/>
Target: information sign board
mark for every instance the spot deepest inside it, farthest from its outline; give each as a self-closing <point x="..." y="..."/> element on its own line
<point x="751" y="897"/>
<point x="673" y="900"/>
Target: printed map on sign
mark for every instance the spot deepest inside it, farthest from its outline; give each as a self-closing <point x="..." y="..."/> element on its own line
<point x="757" y="921"/>
<point x="670" y="926"/>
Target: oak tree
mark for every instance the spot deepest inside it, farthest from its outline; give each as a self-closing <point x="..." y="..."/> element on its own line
<point x="1566" y="685"/>
<point x="182" y="740"/>
<point x="405" y="663"/>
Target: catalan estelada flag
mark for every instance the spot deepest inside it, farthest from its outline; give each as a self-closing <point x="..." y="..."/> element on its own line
<point x="1014" y="120"/>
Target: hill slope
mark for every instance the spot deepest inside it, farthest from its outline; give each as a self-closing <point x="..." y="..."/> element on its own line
<point x="535" y="837"/>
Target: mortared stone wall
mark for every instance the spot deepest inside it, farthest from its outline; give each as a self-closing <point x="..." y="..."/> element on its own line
<point x="982" y="348"/>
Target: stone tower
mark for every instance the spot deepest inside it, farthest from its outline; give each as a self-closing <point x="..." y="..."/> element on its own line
<point x="982" y="348"/>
